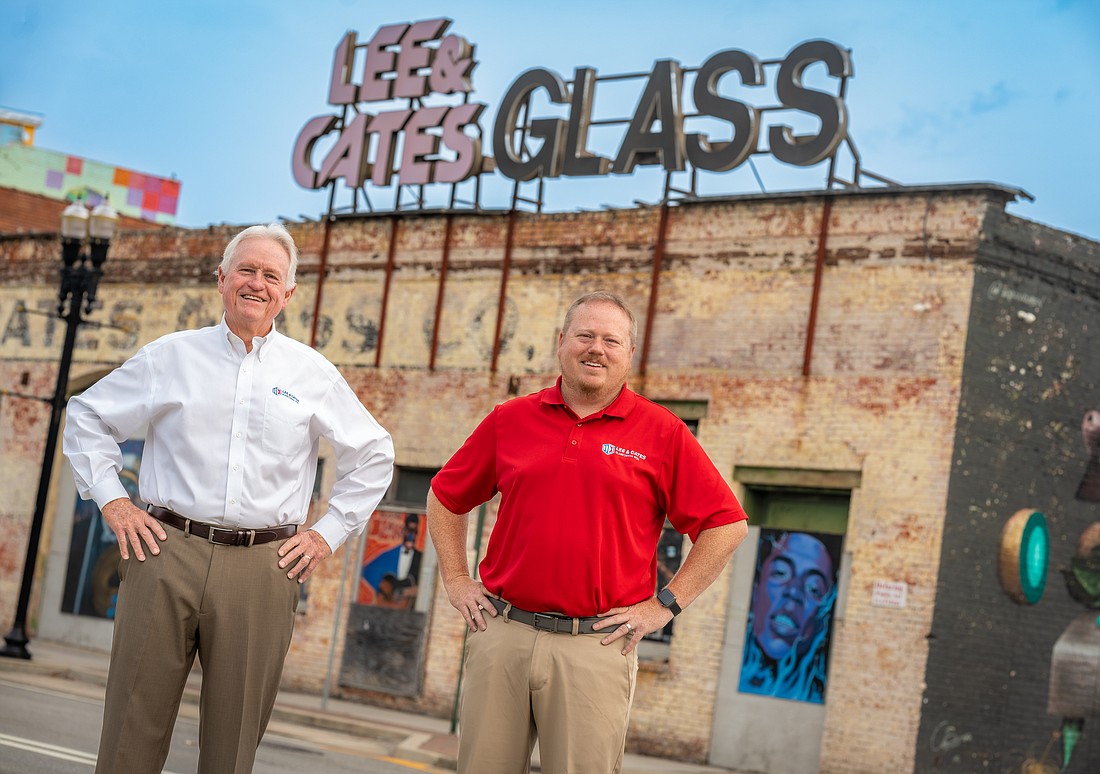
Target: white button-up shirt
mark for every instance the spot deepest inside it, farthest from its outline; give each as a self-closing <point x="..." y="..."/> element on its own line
<point x="231" y="437"/>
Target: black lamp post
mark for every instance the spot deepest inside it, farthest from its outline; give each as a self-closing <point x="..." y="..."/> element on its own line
<point x="80" y="274"/>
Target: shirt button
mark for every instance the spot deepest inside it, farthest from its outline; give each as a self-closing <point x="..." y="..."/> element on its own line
<point x="242" y="402"/>
<point x="236" y="467"/>
<point x="232" y="502"/>
<point x="580" y="424"/>
<point x="238" y="435"/>
<point x="573" y="442"/>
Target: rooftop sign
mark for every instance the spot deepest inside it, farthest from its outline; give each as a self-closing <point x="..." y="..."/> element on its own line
<point x="437" y="137"/>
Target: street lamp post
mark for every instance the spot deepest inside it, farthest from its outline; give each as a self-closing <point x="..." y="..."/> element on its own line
<point x="80" y="274"/>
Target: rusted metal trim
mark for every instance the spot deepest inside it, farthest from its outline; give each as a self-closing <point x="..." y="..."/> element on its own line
<point x="819" y="268"/>
<point x="321" y="271"/>
<point x="448" y="227"/>
<point x="654" y="285"/>
<point x="394" y="223"/>
<point x="505" y="268"/>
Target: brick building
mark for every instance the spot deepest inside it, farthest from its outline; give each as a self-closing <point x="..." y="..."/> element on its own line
<point x="901" y="369"/>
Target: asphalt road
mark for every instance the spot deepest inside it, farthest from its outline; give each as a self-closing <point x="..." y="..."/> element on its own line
<point x="51" y="727"/>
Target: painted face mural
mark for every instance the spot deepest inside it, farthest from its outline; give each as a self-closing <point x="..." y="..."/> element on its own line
<point x="786" y="646"/>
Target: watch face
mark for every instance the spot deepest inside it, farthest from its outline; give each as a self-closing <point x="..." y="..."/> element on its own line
<point x="666" y="597"/>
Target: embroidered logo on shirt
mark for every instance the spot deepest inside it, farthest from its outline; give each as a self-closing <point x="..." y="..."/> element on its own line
<point x="284" y="393"/>
<point x="610" y="448"/>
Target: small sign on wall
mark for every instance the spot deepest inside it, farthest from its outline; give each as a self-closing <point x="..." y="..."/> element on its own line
<point x="889" y="594"/>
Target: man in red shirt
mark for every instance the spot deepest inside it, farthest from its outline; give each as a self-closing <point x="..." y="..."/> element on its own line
<point x="588" y="471"/>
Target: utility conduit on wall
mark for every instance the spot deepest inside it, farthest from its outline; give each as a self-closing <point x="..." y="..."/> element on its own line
<point x="654" y="284"/>
<point x="819" y="268"/>
<point x="505" y="267"/>
<point x="321" y="271"/>
<point x="394" y="223"/>
<point x="447" y="229"/>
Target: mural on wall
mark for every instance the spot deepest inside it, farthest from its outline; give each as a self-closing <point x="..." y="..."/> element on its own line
<point x="1089" y="489"/>
<point x="390" y="574"/>
<point x="1075" y="657"/>
<point x="790" y="616"/>
<point x="62" y="176"/>
<point x="91" y="579"/>
<point x="383" y="649"/>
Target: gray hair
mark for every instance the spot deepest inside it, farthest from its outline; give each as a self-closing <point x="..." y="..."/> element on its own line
<point x="274" y="231"/>
<point x="607" y="297"/>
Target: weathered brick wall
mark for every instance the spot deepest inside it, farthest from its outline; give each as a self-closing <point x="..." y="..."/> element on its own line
<point x="730" y="326"/>
<point x="1030" y="378"/>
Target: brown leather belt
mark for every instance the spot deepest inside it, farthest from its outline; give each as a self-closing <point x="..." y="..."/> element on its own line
<point x="546" y="622"/>
<point x="224" y="536"/>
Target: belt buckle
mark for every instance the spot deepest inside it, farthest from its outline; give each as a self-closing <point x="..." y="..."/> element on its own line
<point x="552" y="619"/>
<point x="210" y="534"/>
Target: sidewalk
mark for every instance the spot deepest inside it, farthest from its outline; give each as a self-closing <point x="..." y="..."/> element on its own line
<point x="417" y="738"/>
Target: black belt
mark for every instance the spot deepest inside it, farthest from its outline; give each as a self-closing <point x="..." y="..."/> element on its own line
<point x="225" y="536"/>
<point x="546" y="622"/>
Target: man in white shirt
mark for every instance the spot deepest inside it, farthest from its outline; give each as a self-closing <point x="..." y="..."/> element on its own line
<point x="233" y="415"/>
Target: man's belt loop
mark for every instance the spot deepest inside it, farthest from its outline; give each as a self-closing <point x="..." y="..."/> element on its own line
<point x="506" y="611"/>
<point x="251" y="537"/>
<point x="576" y="627"/>
<point x="186" y="528"/>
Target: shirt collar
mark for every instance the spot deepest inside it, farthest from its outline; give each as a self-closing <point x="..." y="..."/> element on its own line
<point x="258" y="343"/>
<point x="620" y="407"/>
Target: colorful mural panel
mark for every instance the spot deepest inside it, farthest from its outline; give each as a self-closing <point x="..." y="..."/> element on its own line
<point x="390" y="574"/>
<point x="61" y="176"/>
<point x="790" y="616"/>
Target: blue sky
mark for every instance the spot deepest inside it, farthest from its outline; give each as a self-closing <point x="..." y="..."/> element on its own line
<point x="215" y="93"/>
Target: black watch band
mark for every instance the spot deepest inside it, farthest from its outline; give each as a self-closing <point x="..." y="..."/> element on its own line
<point x="668" y="599"/>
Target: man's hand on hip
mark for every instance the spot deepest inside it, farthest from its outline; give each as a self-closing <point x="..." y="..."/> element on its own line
<point x="470" y="598"/>
<point x="129" y="523"/>
<point x="633" y="622"/>
<point x="302" y="553"/>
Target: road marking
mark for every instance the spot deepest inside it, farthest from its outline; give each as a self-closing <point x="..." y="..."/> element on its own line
<point x="409" y="764"/>
<point x="50" y="750"/>
<point x="51" y="692"/>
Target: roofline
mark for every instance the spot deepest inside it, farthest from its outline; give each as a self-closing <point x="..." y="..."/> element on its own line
<point x="1007" y="193"/>
<point x="997" y="190"/>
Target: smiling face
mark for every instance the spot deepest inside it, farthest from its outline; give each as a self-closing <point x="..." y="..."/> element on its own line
<point x="594" y="352"/>
<point x="253" y="288"/>
<point x="795" y="580"/>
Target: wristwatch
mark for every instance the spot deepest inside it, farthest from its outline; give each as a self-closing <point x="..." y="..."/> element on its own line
<point x="668" y="599"/>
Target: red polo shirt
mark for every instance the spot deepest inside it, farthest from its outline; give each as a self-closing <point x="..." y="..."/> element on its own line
<point x="583" y="502"/>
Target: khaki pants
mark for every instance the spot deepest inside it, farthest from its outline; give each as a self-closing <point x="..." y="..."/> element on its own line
<point x="570" y="692"/>
<point x="232" y="606"/>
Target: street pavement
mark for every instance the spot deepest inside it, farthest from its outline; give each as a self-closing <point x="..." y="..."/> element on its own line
<point x="419" y="739"/>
